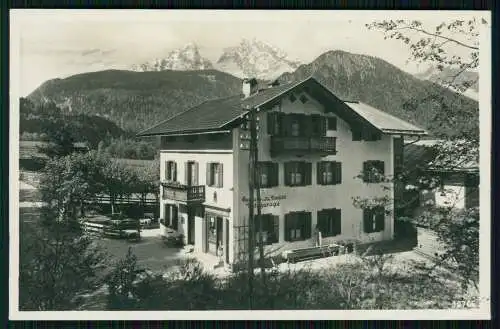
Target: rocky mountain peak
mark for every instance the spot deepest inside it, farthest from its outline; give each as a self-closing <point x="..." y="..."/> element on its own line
<point x="255" y="58"/>
<point x="186" y="58"/>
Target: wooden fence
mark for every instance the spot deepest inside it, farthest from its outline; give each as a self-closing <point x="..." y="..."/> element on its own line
<point x="135" y="198"/>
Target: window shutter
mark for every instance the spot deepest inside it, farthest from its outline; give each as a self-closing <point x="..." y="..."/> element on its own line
<point x="321" y="225"/>
<point x="322" y="126"/>
<point x="276" y="228"/>
<point x="308" y="172"/>
<point x="315" y="124"/>
<point x="208" y="176"/>
<point x="271" y="123"/>
<point x="174" y="178"/>
<point x="166" y="170"/>
<point x="221" y="176"/>
<point x="380" y="221"/>
<point x="367" y="223"/>
<point x="338" y="172"/>
<point x="287" y="173"/>
<point x="175" y="217"/>
<point x="381" y="167"/>
<point x="366" y="169"/>
<point x="186" y="173"/>
<point x="279" y="118"/>
<point x="287" y="226"/>
<point x="274" y="174"/>
<point x="338" y="221"/>
<point x="306" y="217"/>
<point x="307" y="125"/>
<point x="319" y="172"/>
<point x="195" y="174"/>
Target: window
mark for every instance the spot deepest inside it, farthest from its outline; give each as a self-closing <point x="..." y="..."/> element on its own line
<point x="374" y="219"/>
<point x="171" y="171"/>
<point x="214" y="174"/>
<point x="191" y="173"/>
<point x="268" y="174"/>
<point x="297" y="173"/>
<point x="329" y="222"/>
<point x="332" y="123"/>
<point x="318" y="124"/>
<point x="295" y="127"/>
<point x="297" y="226"/>
<point x="329" y="173"/>
<point x="373" y="171"/>
<point x="270" y="229"/>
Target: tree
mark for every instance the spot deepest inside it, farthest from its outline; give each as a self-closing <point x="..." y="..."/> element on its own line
<point x="121" y="283"/>
<point x="148" y="181"/>
<point x="118" y="180"/>
<point x="67" y="182"/>
<point x="450" y="46"/>
<point x="60" y="139"/>
<point x="453" y="47"/>
<point x="56" y="266"/>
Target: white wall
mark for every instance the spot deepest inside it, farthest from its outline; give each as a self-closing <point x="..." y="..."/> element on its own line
<point x="316" y="197"/>
<point x="202" y="157"/>
<point x="450" y="196"/>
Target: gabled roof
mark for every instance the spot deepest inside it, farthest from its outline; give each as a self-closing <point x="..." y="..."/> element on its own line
<point x="217" y="114"/>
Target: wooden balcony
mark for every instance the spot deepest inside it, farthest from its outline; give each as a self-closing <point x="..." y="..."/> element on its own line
<point x="181" y="192"/>
<point x="283" y="145"/>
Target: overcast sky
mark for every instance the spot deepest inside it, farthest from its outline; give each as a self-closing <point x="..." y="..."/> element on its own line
<point x="59" y="43"/>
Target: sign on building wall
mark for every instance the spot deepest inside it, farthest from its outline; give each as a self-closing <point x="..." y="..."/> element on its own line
<point x="267" y="201"/>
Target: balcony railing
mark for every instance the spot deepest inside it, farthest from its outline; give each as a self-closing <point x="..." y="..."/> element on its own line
<point x="302" y="145"/>
<point x="181" y="192"/>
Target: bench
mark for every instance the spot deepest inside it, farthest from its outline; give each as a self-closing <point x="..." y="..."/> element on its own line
<point x="312" y="252"/>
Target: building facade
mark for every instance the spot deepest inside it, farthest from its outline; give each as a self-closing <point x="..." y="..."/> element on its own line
<point x="458" y="178"/>
<point x="316" y="154"/>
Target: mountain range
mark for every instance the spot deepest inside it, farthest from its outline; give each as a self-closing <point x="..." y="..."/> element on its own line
<point x="187" y="58"/>
<point x="136" y="100"/>
<point x="250" y="58"/>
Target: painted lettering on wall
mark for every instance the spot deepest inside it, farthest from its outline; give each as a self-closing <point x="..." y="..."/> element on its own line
<point x="267" y="201"/>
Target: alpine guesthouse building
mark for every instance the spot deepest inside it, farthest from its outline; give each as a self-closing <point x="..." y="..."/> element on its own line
<point x="312" y="148"/>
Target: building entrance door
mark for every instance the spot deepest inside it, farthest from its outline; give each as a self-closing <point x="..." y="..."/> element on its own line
<point x="214" y="233"/>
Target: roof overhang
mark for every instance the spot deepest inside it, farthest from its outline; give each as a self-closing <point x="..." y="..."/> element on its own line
<point x="188" y="132"/>
<point x="404" y="132"/>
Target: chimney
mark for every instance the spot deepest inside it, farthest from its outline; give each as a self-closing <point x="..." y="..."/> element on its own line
<point x="249" y="87"/>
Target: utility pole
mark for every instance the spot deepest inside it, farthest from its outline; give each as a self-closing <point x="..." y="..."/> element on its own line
<point x="253" y="136"/>
<point x="251" y="178"/>
<point x="254" y="189"/>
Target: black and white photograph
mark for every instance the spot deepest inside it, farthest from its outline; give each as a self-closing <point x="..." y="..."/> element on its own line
<point x="253" y="164"/>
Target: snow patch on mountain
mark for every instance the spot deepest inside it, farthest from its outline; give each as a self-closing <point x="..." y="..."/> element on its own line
<point x="254" y="58"/>
<point x="187" y="58"/>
